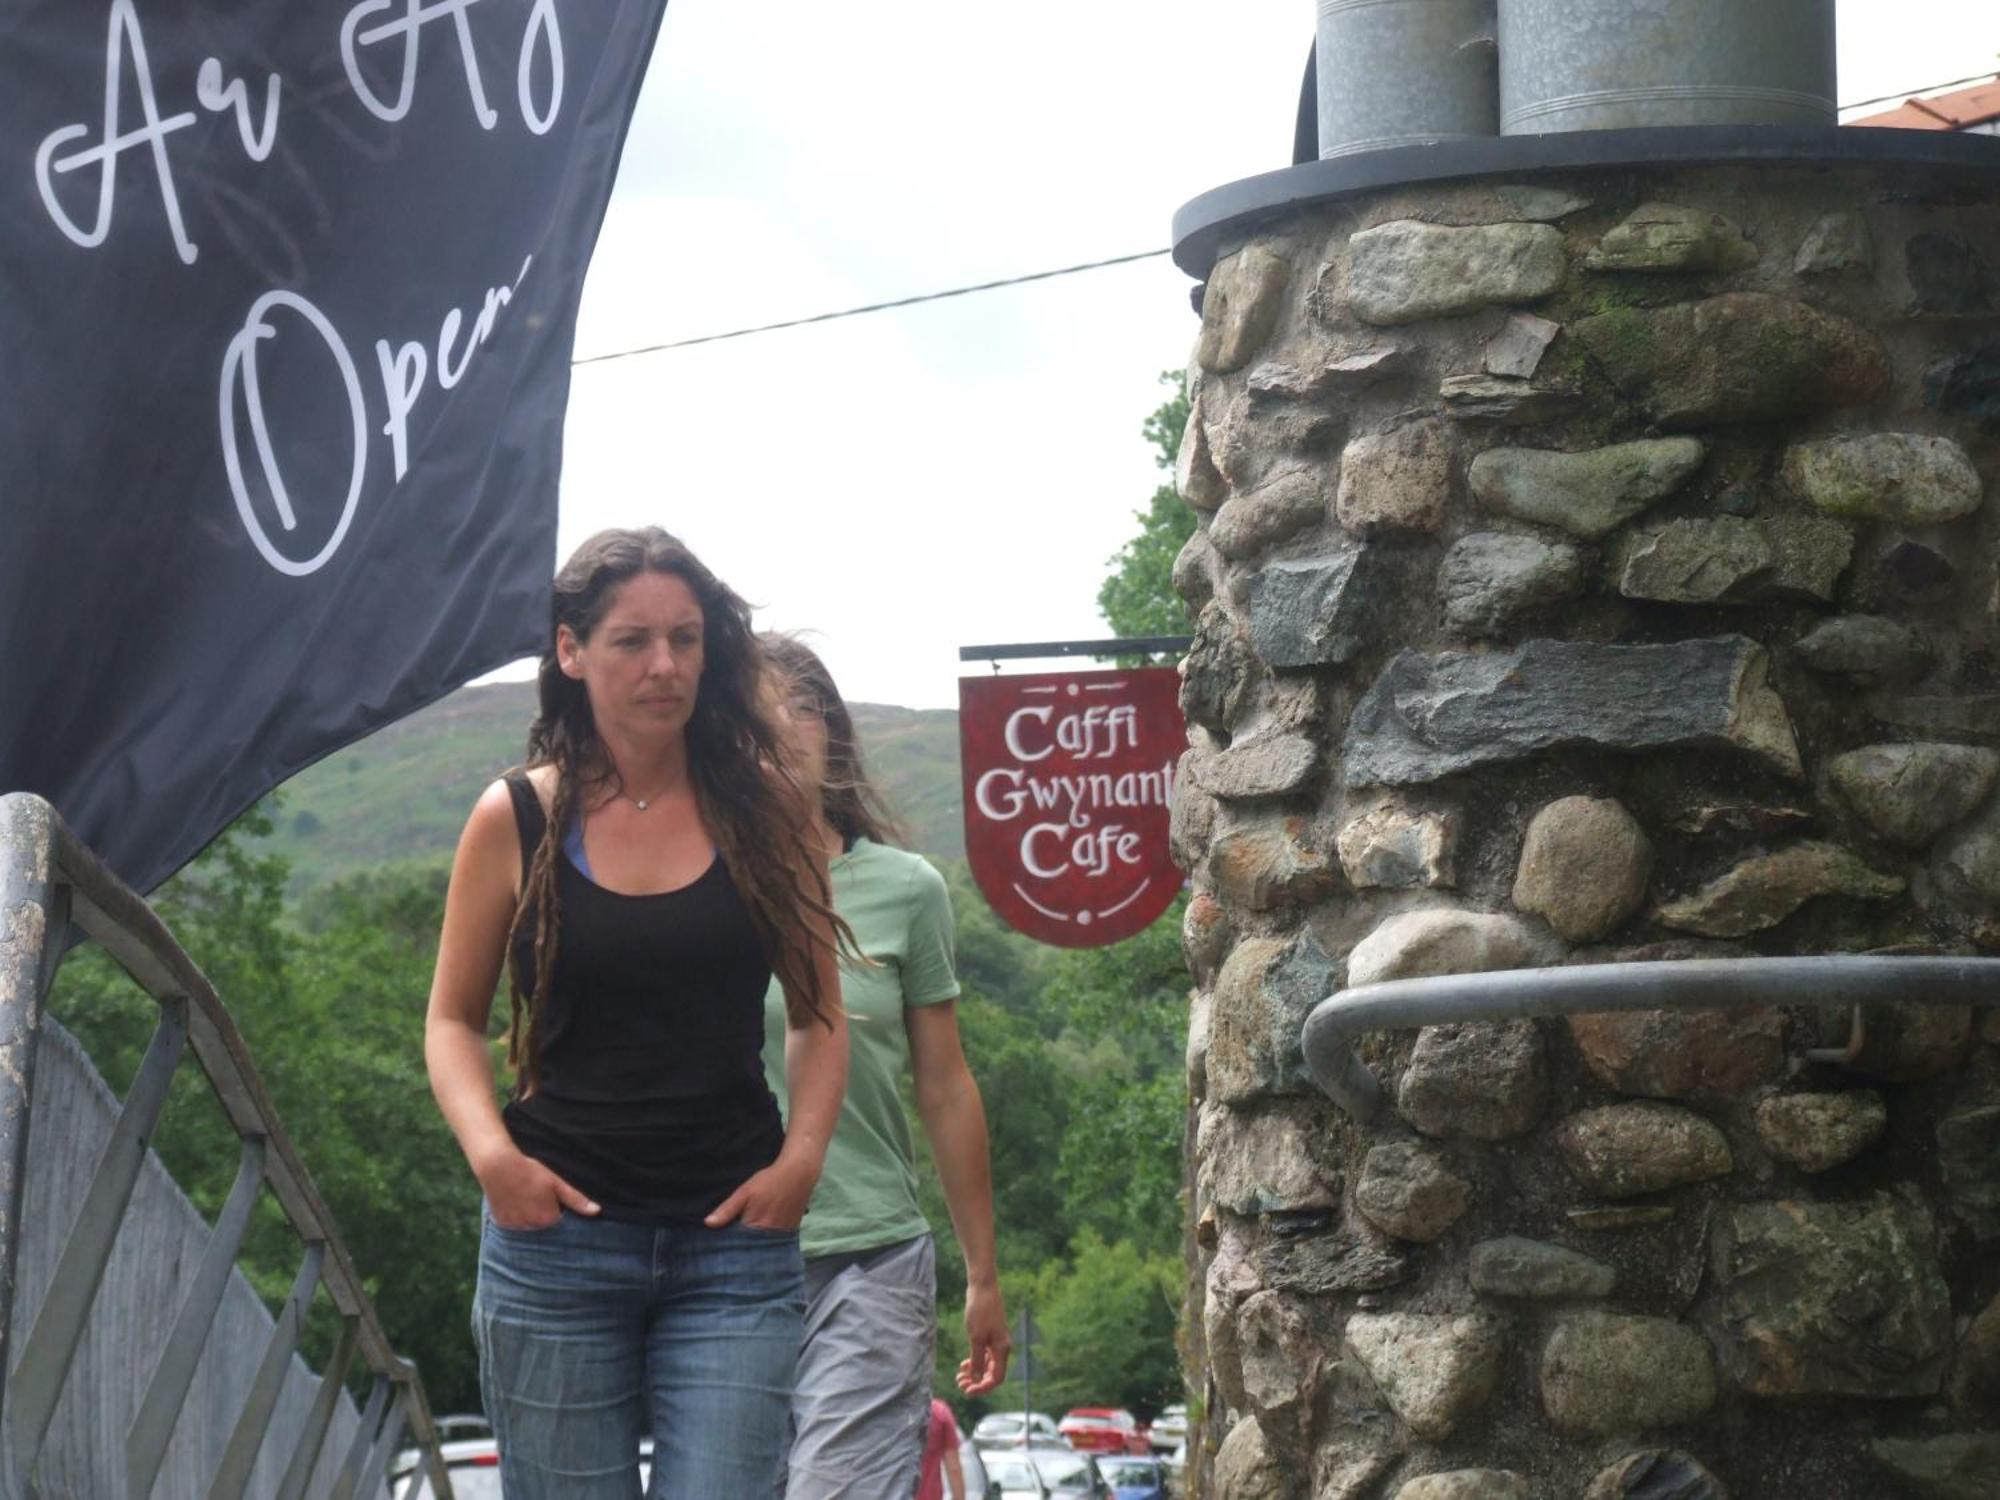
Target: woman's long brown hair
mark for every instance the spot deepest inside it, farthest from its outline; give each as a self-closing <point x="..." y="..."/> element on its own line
<point x="749" y="796"/>
<point x="852" y="806"/>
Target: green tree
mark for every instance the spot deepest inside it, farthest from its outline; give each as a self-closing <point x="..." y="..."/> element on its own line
<point x="1138" y="597"/>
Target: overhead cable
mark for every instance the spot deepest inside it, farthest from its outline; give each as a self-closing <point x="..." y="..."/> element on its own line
<point x="1089" y="265"/>
<point x="872" y="307"/>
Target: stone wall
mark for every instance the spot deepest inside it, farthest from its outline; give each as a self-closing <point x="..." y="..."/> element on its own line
<point x="1598" y="568"/>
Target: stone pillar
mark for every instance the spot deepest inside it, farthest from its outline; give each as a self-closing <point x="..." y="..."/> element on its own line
<point x="1593" y="566"/>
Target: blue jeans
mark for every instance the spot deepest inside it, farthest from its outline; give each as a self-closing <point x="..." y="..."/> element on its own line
<point x="593" y="1333"/>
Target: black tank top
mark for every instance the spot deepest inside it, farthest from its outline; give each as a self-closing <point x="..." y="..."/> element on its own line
<point x="651" y="1096"/>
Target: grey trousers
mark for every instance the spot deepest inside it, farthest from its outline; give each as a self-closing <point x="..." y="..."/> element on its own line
<point x="863" y="1396"/>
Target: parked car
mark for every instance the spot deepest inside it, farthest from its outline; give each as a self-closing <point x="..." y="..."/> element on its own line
<point x="472" y="1463"/>
<point x="474" y="1467"/>
<point x="1068" y="1475"/>
<point x="1169" y="1428"/>
<point x="1010" y="1475"/>
<point x="1133" y="1478"/>
<point x="1013" y="1428"/>
<point x="453" y="1427"/>
<point x="972" y="1469"/>
<point x="1103" y="1429"/>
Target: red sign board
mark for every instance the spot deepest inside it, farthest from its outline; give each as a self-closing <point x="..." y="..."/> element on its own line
<point x="1069" y="777"/>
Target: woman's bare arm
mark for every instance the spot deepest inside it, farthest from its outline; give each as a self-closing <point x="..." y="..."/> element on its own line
<point x="478" y="910"/>
<point x="954" y="1119"/>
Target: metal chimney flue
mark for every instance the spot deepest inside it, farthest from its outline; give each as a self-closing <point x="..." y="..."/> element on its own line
<point x="1405" y="73"/>
<point x="1588" y="65"/>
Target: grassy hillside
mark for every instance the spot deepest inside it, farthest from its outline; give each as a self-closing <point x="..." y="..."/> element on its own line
<point x="403" y="794"/>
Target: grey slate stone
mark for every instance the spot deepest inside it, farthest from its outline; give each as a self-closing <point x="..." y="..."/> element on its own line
<point x="1868" y="648"/>
<point x="1427" y="717"/>
<point x="1702" y="561"/>
<point x="1508" y="400"/>
<point x="1269" y="765"/>
<point x="1313" y="611"/>
<point x="1491" y="581"/>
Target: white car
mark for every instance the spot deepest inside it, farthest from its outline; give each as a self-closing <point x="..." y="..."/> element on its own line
<point x="1169" y="1429"/>
<point x="1013" y="1429"/>
<point x="474" y="1467"/>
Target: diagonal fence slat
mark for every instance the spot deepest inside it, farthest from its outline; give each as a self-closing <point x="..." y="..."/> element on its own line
<point x="147" y="1438"/>
<point x="51" y="1347"/>
<point x="348" y="1485"/>
<point x="312" y="1436"/>
<point x="232" y="1476"/>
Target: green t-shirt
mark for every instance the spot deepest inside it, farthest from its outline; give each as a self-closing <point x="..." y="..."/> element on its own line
<point x="901" y="916"/>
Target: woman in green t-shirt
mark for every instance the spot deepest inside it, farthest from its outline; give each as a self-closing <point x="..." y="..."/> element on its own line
<point x="863" y="1394"/>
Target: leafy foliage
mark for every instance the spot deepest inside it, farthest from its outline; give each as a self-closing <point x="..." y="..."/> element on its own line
<point x="1138" y="597"/>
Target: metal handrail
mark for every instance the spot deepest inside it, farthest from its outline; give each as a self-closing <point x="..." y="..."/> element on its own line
<point x="48" y="879"/>
<point x="1336" y="1022"/>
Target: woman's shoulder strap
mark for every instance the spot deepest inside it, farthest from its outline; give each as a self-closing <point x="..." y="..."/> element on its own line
<point x="529" y="819"/>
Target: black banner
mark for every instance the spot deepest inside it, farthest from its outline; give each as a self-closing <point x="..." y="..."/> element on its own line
<point x="287" y="295"/>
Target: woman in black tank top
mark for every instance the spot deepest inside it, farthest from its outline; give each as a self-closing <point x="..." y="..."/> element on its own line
<point x="640" y="883"/>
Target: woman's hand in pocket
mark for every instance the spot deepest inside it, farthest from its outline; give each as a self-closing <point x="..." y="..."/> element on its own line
<point x="521" y="1193"/>
<point x="774" y="1198"/>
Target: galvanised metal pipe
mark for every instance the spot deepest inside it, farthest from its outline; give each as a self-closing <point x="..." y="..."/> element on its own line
<point x="1591" y="65"/>
<point x="33" y="906"/>
<point x="1404" y="73"/>
<point x="1708" y="983"/>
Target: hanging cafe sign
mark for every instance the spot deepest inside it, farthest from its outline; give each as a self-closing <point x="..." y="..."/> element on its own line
<point x="1068" y="781"/>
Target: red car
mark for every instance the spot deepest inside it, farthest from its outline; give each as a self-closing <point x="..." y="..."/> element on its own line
<point x="1103" y="1429"/>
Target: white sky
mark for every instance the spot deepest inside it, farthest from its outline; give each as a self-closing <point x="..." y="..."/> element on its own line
<point x="907" y="482"/>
